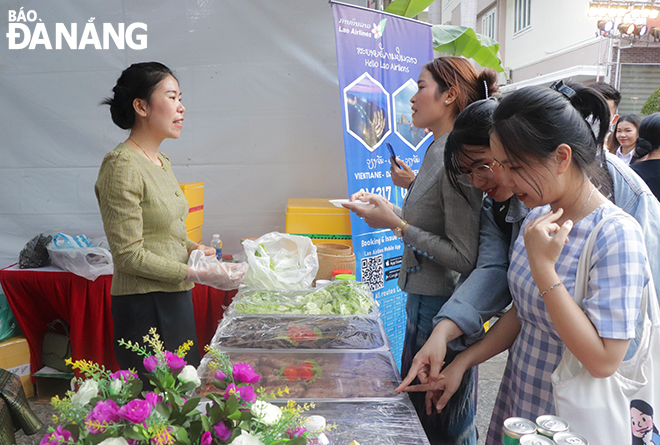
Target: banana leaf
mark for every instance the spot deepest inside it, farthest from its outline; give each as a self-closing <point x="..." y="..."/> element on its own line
<point x="463" y="41"/>
<point x="408" y="8"/>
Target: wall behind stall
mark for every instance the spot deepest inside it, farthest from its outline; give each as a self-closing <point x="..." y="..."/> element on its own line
<point x="262" y="121"/>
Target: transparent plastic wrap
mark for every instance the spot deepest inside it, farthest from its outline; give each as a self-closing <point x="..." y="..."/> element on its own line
<point x="374" y="422"/>
<point x="338" y="298"/>
<point x="314" y="375"/>
<point x="295" y="332"/>
<point x="206" y="269"/>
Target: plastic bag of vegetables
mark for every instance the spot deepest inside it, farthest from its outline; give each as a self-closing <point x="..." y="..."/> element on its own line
<point x="280" y="261"/>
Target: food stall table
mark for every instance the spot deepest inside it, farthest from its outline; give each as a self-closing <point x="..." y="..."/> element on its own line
<point x="38" y="296"/>
<point x="342" y="363"/>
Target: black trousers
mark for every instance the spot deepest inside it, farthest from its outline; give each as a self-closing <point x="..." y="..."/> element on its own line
<point x="171" y="313"/>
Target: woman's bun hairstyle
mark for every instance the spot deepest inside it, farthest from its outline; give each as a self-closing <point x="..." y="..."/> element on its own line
<point x="487" y="80"/>
<point x="138" y="81"/>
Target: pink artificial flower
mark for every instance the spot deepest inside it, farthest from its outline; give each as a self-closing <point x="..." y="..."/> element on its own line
<point x="219" y="375"/>
<point x="247" y="393"/>
<point x="296" y="432"/>
<point x="104" y="413"/>
<point x="206" y="439"/>
<point x="242" y="393"/>
<point x="152" y="398"/>
<point x="150" y="363"/>
<point x="244" y="373"/>
<point x="222" y="431"/>
<point x="58" y="437"/>
<point x="174" y="362"/>
<point x="124" y="375"/>
<point x="135" y="411"/>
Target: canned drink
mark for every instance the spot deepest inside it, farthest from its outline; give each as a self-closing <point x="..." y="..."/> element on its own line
<point x="516" y="427"/>
<point x="568" y="438"/>
<point x="536" y="439"/>
<point x="550" y="425"/>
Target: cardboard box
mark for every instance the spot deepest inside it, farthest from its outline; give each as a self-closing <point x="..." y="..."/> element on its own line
<point x="319" y="220"/>
<point x="50" y="383"/>
<point x="194" y="192"/>
<point x="15" y="358"/>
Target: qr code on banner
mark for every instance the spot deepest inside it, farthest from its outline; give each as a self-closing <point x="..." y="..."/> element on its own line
<point x="372" y="272"/>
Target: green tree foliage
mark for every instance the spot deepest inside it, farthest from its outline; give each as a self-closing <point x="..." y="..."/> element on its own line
<point x="652" y="104"/>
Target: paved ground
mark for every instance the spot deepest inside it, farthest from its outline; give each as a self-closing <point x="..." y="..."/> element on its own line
<point x="490" y="376"/>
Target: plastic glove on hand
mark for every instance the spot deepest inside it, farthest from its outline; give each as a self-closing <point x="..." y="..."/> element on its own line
<point x="205" y="269"/>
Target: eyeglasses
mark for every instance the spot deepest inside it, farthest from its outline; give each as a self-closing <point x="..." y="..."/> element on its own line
<point x="483" y="172"/>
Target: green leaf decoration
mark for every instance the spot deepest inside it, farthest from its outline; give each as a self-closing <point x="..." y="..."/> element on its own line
<point x="181" y="435"/>
<point x="195" y="431"/>
<point x="73" y="429"/>
<point x="463" y="41"/>
<point x="235" y="415"/>
<point x="98" y="438"/>
<point x="134" y="388"/>
<point x="190" y="405"/>
<point x="220" y="384"/>
<point x="216" y="412"/>
<point x="133" y="433"/>
<point x="185" y="387"/>
<point x="163" y="410"/>
<point x="232" y="404"/>
<point x="217" y="398"/>
<point x="408" y="8"/>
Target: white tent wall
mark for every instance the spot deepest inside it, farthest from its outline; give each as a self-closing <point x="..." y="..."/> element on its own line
<point x="259" y="82"/>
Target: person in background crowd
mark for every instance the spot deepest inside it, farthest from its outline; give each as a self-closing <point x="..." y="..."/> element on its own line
<point x="625" y="137"/>
<point x="541" y="176"/>
<point x="613" y="99"/>
<point x="646" y="160"/>
<point x="143" y="211"/>
<point x="440" y="229"/>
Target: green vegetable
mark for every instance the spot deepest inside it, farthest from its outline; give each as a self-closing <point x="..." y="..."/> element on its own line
<point x="339" y="298"/>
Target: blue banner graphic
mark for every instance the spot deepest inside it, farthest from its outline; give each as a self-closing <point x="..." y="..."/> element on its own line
<point x="379" y="58"/>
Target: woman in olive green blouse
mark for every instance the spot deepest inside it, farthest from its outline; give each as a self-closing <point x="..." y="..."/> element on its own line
<point x="144" y="212"/>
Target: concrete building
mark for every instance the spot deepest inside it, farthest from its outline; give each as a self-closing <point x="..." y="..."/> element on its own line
<point x="542" y="41"/>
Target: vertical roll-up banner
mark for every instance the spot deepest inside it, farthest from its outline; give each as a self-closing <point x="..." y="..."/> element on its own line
<point x="379" y="58"/>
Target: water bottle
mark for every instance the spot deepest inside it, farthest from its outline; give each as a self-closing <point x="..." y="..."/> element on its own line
<point x="216" y="243"/>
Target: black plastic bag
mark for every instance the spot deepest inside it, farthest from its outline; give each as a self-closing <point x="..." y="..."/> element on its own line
<point x="34" y="254"/>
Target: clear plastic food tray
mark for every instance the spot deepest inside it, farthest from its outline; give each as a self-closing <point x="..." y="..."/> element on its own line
<point x="376" y="422"/>
<point x="313" y="375"/>
<point x="294" y="332"/>
<point x="340" y="298"/>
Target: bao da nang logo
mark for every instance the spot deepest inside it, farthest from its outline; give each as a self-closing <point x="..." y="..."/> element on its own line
<point x="26" y="30"/>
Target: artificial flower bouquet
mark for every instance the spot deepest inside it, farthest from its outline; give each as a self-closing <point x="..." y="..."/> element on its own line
<point x="111" y="408"/>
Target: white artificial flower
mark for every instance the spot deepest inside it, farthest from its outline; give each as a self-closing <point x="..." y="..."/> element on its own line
<point x="115" y="386"/>
<point x="88" y="390"/>
<point x="114" y="441"/>
<point x="189" y="374"/>
<point x="265" y="412"/>
<point x="246" y="439"/>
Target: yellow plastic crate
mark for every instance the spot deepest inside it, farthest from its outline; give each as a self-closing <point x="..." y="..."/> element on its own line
<point x="195" y="234"/>
<point x="194" y="192"/>
<point x="15" y="357"/>
<point x="319" y="220"/>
